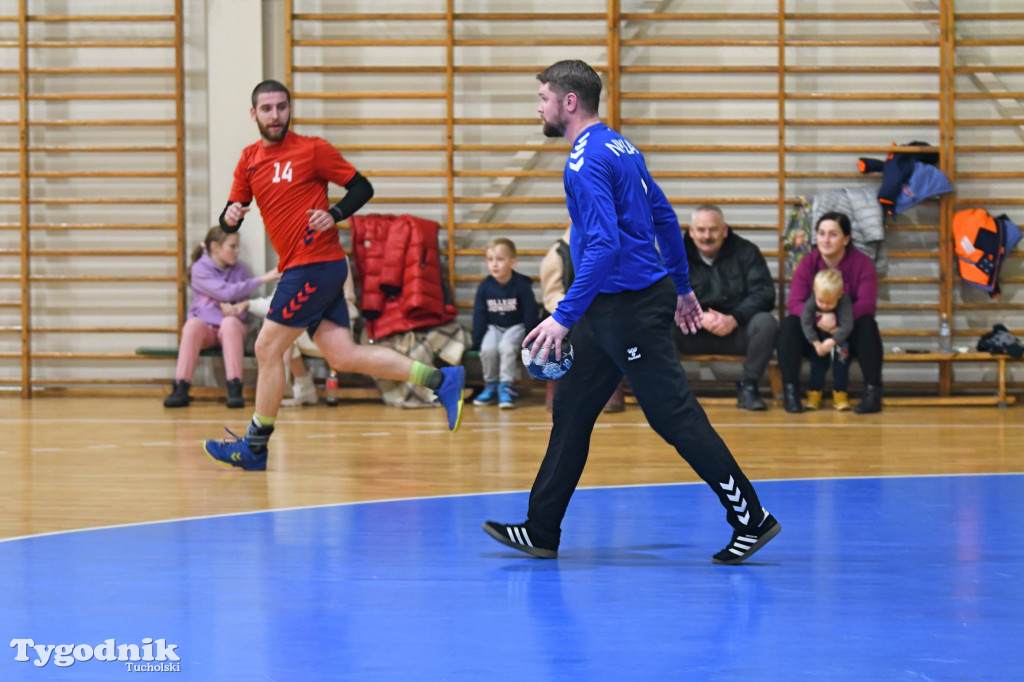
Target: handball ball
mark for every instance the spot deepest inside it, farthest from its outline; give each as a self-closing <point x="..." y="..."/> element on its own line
<point x="551" y="369"/>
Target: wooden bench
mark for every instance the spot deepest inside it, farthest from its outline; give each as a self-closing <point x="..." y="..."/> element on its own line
<point x="173" y="352"/>
<point x="1000" y="398"/>
<point x="350" y="386"/>
<point x="773" y="373"/>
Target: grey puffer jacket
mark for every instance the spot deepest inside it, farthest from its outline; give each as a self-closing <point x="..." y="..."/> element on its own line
<point x="738" y="283"/>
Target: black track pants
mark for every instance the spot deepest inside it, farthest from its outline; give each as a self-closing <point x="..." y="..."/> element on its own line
<point x="630" y="333"/>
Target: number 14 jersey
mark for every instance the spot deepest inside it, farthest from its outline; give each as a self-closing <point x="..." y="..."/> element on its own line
<point x="287" y="179"/>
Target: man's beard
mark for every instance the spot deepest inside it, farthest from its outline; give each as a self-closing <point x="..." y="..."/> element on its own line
<point x="554" y="129"/>
<point x="270" y="137"/>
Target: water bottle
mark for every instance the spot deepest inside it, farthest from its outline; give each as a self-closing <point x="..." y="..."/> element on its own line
<point x="332" y="389"/>
<point x="945" y="335"/>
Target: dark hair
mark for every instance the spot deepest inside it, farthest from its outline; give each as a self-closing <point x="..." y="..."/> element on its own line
<point x="216" y="235"/>
<point x="841" y="218"/>
<point x="573" y="75"/>
<point x="269" y="86"/>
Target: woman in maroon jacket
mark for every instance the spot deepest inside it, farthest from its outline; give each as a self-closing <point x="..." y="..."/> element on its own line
<point x="860" y="283"/>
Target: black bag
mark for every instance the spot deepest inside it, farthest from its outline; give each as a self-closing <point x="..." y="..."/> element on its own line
<point x="1001" y="342"/>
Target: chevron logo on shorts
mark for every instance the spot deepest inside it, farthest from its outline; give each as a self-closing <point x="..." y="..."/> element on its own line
<point x="288" y="312"/>
<point x="739" y="504"/>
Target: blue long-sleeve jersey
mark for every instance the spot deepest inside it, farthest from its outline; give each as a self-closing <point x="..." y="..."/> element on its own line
<point x="625" y="235"/>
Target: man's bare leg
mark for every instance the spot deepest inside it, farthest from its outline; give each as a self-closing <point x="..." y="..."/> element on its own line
<point x="273" y="341"/>
<point x="344" y="354"/>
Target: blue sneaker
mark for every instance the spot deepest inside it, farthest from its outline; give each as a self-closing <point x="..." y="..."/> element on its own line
<point x="450" y="394"/>
<point x="236" y="453"/>
<point x="488" y="396"/>
<point x="505" y="396"/>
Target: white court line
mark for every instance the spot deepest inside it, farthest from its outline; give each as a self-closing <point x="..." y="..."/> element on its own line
<point x="546" y="424"/>
<point x="379" y="433"/>
<point x="101" y="447"/>
<point x="477" y="494"/>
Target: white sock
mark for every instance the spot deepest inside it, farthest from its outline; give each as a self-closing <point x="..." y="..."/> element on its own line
<point x="304" y="384"/>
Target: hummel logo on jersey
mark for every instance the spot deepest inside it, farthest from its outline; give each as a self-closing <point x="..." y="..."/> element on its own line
<point x="632" y="354"/>
<point x="621" y="146"/>
<point x="310" y="236"/>
<point x="577" y="153"/>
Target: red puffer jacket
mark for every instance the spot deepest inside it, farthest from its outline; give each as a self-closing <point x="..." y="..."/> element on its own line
<point x="398" y="268"/>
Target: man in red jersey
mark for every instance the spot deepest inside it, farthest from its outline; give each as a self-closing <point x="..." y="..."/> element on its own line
<point x="287" y="174"/>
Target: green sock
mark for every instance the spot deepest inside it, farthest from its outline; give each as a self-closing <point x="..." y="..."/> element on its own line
<point x="425" y="375"/>
<point x="260" y="420"/>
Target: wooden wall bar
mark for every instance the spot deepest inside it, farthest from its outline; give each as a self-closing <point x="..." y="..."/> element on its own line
<point x="753" y="110"/>
<point x="100" y="197"/>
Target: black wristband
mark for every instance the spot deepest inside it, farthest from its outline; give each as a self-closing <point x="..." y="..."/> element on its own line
<point x="224" y="226"/>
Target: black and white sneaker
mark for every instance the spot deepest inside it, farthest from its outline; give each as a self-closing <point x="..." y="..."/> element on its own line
<point x="744" y="544"/>
<point x="517" y="537"/>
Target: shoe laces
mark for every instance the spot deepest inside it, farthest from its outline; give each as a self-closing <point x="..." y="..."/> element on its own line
<point x="233" y="435"/>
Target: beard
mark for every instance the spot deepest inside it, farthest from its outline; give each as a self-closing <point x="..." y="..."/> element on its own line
<point x="273" y="137"/>
<point x="557" y="127"/>
<point x="554" y="129"/>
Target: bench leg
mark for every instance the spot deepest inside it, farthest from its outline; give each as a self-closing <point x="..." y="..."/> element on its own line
<point x="1002" y="382"/>
<point x="775" y="379"/>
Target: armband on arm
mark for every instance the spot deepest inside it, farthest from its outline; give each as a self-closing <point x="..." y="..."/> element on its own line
<point x="224" y="226"/>
<point x="359" y="191"/>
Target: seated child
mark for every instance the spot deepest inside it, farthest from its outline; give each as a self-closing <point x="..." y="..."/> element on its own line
<point x="216" y="277"/>
<point x="828" y="298"/>
<point x="504" y="313"/>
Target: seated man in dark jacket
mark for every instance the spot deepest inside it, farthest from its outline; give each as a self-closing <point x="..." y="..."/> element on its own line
<point x="736" y="289"/>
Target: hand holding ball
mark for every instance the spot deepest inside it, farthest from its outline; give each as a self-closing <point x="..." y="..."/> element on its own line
<point x="552" y="369"/>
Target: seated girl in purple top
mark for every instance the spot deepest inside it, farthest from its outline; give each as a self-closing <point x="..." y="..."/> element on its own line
<point x="216" y="277"/>
<point x="860" y="284"/>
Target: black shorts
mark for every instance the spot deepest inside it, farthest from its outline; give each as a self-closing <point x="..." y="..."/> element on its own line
<point x="308" y="294"/>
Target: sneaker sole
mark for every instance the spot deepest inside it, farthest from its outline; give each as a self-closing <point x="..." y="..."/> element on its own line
<point x="532" y="551"/>
<point x="507" y="406"/>
<point x="458" y="416"/>
<point x="761" y="542"/>
<point x="232" y="466"/>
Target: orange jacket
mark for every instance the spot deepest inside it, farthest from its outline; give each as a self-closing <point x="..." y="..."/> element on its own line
<point x="981" y="243"/>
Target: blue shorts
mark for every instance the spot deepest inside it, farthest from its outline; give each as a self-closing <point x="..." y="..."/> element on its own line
<point x="309" y="294"/>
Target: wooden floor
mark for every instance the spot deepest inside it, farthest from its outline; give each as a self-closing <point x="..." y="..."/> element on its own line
<point x="72" y="463"/>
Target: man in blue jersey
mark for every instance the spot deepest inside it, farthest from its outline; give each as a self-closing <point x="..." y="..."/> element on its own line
<point x="631" y="288"/>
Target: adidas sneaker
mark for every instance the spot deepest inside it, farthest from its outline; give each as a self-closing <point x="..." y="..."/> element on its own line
<point x="745" y="543"/>
<point x="517" y="537"/>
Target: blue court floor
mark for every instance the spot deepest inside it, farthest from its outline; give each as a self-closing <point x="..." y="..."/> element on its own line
<point x="870" y="579"/>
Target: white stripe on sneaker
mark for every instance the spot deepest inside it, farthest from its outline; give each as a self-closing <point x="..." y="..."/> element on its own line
<point x="526" y="537"/>
<point x="519" y="535"/>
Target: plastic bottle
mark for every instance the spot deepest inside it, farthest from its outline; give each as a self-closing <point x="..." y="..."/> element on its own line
<point x="945" y="335"/>
<point x="331" y="386"/>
